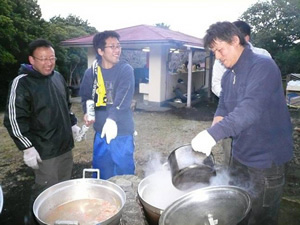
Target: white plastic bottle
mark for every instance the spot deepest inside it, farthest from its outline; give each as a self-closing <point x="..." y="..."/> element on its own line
<point x="90" y="110"/>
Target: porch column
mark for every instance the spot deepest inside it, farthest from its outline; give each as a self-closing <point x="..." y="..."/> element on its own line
<point x="189" y="84"/>
<point x="157" y="73"/>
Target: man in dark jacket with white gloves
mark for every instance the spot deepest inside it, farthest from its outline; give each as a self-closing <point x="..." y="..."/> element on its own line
<point x="252" y="110"/>
<point x="109" y="86"/>
<point x="39" y="120"/>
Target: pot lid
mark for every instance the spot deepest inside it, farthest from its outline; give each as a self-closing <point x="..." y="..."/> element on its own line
<point x="226" y="205"/>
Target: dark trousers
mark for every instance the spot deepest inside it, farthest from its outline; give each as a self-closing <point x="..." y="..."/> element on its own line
<point x="50" y="172"/>
<point x="265" y="187"/>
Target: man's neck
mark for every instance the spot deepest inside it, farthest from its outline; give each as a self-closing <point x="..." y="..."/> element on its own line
<point x="106" y="65"/>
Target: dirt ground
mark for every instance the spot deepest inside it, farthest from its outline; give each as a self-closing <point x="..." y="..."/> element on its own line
<point x="159" y="132"/>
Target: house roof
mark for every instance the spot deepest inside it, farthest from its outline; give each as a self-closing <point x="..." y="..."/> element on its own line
<point x="142" y="35"/>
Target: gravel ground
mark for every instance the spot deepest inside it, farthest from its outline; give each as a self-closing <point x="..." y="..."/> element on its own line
<point x="160" y="130"/>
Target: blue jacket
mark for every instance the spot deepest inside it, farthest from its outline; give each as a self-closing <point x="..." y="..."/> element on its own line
<point x="255" y="113"/>
<point x="121" y="75"/>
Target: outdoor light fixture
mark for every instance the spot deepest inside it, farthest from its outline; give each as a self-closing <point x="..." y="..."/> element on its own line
<point x="146" y="49"/>
<point x="174" y="50"/>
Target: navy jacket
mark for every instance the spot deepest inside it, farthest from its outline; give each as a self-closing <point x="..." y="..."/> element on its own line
<point x="255" y="113"/>
<point x="122" y="78"/>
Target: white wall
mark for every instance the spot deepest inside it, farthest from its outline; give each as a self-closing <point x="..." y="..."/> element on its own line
<point x="157" y="73"/>
<point x="91" y="56"/>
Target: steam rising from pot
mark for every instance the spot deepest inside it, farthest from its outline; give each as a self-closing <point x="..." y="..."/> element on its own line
<point x="161" y="168"/>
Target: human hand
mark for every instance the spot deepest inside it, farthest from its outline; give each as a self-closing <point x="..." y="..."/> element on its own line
<point x="32" y="157"/>
<point x="76" y="131"/>
<point x="87" y="121"/>
<point x="110" y="129"/>
<point x="217" y="119"/>
<point x="203" y="142"/>
<point x="82" y="133"/>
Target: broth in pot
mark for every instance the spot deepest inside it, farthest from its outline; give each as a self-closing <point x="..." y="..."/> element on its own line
<point x="83" y="211"/>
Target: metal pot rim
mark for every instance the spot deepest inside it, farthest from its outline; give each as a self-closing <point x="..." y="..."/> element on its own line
<point x="49" y="192"/>
<point x="189" y="167"/>
<point x="141" y="185"/>
<point x="211" y="156"/>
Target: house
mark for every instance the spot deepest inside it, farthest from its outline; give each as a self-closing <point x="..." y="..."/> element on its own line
<point x="159" y="43"/>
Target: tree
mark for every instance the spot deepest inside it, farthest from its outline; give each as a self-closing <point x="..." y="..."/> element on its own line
<point x="20" y="23"/>
<point x="163" y="25"/>
<point x="7" y="31"/>
<point x="71" y="62"/>
<point x="275" y="27"/>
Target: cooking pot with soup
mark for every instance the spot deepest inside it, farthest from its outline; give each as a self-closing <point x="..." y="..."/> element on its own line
<point x="84" y="201"/>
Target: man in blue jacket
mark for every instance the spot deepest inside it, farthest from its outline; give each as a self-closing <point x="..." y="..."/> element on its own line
<point x="252" y="110"/>
<point x="217" y="74"/>
<point x="109" y="83"/>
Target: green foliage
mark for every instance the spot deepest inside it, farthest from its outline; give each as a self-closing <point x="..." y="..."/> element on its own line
<point x="275" y="27"/>
<point x="71" y="62"/>
<point x="20" y="23"/>
<point x="163" y="25"/>
<point x="7" y="31"/>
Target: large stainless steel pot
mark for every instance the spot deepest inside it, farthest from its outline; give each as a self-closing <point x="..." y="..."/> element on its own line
<point x="226" y="205"/>
<point x="77" y="189"/>
<point x="155" y="193"/>
<point x="190" y="168"/>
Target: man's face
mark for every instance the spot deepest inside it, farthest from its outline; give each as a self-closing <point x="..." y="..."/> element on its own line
<point x="227" y="53"/>
<point x="111" y="53"/>
<point x="43" y="60"/>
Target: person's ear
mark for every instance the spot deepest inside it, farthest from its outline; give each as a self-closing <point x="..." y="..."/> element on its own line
<point x="31" y="60"/>
<point x="235" y="40"/>
<point x="247" y="38"/>
<point x="100" y="52"/>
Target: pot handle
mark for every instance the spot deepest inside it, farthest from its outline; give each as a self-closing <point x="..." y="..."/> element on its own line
<point x="91" y="171"/>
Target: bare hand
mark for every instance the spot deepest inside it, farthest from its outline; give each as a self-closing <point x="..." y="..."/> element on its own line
<point x="86" y="121"/>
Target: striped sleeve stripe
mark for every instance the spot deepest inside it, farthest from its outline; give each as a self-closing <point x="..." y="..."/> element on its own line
<point x="12" y="113"/>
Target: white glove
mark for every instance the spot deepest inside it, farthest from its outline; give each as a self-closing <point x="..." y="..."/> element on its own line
<point x="32" y="157"/>
<point x="75" y="130"/>
<point x="203" y="142"/>
<point x="110" y="129"/>
<point x="82" y="133"/>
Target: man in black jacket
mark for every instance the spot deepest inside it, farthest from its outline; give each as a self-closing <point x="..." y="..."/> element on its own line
<point x="39" y="120"/>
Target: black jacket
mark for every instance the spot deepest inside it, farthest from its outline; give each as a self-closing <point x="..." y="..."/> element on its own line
<point x="38" y="113"/>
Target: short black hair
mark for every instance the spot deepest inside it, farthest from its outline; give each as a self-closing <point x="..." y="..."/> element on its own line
<point x="99" y="40"/>
<point x="37" y="44"/>
<point x="243" y="27"/>
<point x="223" y="31"/>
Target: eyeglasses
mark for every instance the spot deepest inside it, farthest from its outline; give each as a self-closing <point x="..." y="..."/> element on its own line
<point x="113" y="47"/>
<point x="43" y="60"/>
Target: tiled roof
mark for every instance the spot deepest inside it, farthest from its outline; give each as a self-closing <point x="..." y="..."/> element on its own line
<point x="142" y="34"/>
